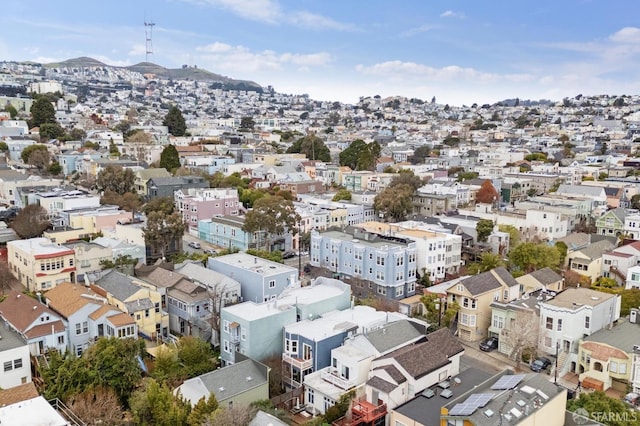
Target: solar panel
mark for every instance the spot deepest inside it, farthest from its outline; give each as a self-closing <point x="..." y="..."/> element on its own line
<point x="479" y="399"/>
<point x="508" y="381"/>
<point x="462" y="409"/>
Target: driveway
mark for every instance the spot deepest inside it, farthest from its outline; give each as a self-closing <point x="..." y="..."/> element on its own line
<point x="496" y="360"/>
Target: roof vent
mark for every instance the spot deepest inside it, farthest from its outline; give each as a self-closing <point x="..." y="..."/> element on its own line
<point x="35" y="307"/>
<point x="488" y="412"/>
<point x="221" y="389"/>
<point x="249" y="378"/>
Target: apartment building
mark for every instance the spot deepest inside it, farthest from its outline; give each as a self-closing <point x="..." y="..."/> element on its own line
<point x="40" y="264"/>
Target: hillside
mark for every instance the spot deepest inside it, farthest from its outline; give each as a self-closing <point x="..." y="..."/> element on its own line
<point x="190" y="73"/>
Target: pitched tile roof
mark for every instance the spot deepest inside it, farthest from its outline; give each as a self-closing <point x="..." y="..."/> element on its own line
<point x="18" y="394"/>
<point x="45" y="329"/>
<point x="394" y="334"/>
<point x="381" y="384"/>
<point x="67" y="298"/>
<point x="163" y="278"/>
<point x="119" y="320"/>
<point x="119" y="285"/>
<point x="604" y="352"/>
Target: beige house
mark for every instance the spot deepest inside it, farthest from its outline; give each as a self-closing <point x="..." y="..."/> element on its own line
<point x="40" y="264"/>
<point x="543" y="279"/>
<point x="587" y="261"/>
<point x="475" y="294"/>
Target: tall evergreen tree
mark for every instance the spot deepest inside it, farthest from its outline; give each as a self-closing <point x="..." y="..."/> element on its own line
<point x="175" y="122"/>
<point x="42" y="112"/>
<point x="169" y="158"/>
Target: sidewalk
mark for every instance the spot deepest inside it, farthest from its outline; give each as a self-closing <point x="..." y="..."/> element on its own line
<point x="495" y="359"/>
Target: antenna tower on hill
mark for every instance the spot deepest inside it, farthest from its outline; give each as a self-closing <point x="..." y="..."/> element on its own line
<point x="148" y="32"/>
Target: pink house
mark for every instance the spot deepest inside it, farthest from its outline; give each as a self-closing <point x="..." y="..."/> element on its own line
<point x="204" y="203"/>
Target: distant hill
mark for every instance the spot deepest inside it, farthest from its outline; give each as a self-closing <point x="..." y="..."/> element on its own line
<point x="191" y="73"/>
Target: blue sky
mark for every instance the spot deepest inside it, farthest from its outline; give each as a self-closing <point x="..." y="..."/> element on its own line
<point x="459" y="51"/>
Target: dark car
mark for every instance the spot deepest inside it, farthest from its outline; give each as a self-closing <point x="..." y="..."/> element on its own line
<point x="288" y="255"/>
<point x="540" y="364"/>
<point x="307" y="268"/>
<point x="489" y="344"/>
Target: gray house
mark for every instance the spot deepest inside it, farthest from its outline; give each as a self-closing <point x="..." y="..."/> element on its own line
<point x="166" y="186"/>
<point x="260" y="279"/>
<point x="385" y="264"/>
<point x="256" y="329"/>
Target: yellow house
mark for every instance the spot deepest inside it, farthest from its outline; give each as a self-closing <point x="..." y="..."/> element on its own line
<point x="39" y="264"/>
<point x="475" y="294"/>
<point x="605" y="358"/>
<point x="142" y="176"/>
<point x="136" y="298"/>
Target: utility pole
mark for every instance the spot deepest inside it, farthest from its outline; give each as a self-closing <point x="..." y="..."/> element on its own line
<point x="555" y="370"/>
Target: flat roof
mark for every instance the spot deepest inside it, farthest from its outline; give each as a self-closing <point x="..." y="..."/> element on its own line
<point x="40" y="246"/>
<point x="255" y="264"/>
<point x="574" y="298"/>
<point x="377" y="243"/>
<point x="36" y="411"/>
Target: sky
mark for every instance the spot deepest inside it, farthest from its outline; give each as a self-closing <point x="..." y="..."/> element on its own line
<point x="461" y="52"/>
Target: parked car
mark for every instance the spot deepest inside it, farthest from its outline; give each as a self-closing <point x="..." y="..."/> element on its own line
<point x="540" y="364"/>
<point x="210" y="251"/>
<point x="307" y="268"/>
<point x="194" y="244"/>
<point x="288" y="255"/>
<point x="490" y="344"/>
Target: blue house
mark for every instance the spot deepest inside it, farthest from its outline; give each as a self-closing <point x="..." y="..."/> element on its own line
<point x="69" y="160"/>
<point x="261" y="280"/>
<point x="308" y="343"/>
<point x="256" y="329"/>
<point x="383" y="265"/>
<point x="226" y="231"/>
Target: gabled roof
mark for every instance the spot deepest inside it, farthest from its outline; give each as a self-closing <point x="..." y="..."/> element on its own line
<point x="67" y="298"/>
<point x="595" y="250"/>
<point x="624" y="336"/>
<point x="546" y="276"/>
<point x="163" y="278"/>
<point x="146" y="174"/>
<point x="21" y="310"/>
<point x="119" y="285"/>
<point x="489" y="281"/>
<point x="395" y="334"/>
<point x="422" y="358"/>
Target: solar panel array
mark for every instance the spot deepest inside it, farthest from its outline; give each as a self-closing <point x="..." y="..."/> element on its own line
<point x="508" y="381"/>
<point x="471" y="404"/>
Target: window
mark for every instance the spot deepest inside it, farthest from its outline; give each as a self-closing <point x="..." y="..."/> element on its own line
<point x="310" y="396"/>
<point x="559" y="325"/>
<point x="399" y="291"/>
<point x="623" y="368"/>
<point x="613" y="367"/>
<point x="498" y="321"/>
<point x="85" y="327"/>
<point x="157" y="307"/>
<point x="61" y="340"/>
<point x="587" y="322"/>
<point x="272" y="284"/>
<point x="8" y="366"/>
<point x="78" y="328"/>
<point x="146" y="313"/>
<point x="549" y="323"/>
<point x="547" y="342"/>
<point x="225" y="325"/>
<point x="17" y="363"/>
<point x="226" y="346"/>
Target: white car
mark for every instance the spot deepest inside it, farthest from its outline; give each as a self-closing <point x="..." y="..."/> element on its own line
<point x="194" y="244"/>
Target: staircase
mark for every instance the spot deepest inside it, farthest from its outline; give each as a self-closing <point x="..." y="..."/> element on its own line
<point x="562" y="360"/>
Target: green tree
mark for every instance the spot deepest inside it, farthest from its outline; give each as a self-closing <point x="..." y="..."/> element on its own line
<point x="77" y="134"/>
<point x="116" y="179"/>
<point x="26" y="152"/>
<point x="31" y="222"/>
<point x="129" y="201"/>
<point x="488" y="261"/>
<point x="156" y="405"/>
<point x="162" y="229"/>
<point x="42" y="112"/>
<point x="272" y="215"/>
<point x="175" y="122"/>
<point x="406" y="177"/>
<point x="514" y="234"/>
<point x="342" y="194"/>
<point x="562" y="248"/>
<point x="4" y="147"/>
<point x="13" y="112"/>
<point x="195" y="356"/>
<point x="169" y="158"/>
<point x="201" y="412"/>
<point x="528" y="257"/>
<point x="439" y="313"/>
<point x="395" y="203"/>
<point x="462" y="176"/>
<point x="598" y="403"/>
<point x="51" y="131"/>
<point x="312" y="147"/>
<point x="159" y="204"/>
<point x="247" y="123"/>
<point x="39" y="158"/>
<point x="360" y="155"/>
<point x="55" y="168"/>
<point x="249" y="196"/>
<point x="484" y="228"/>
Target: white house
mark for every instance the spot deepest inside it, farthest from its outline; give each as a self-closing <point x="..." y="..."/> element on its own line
<point x="14" y="357"/>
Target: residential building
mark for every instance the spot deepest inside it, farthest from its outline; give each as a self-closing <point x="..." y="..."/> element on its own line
<point x="400" y="375"/>
<point x="475" y="294"/>
<point x="167" y="186"/>
<point x="14" y="357"/>
<point x="383" y="265"/>
<point x="616" y="263"/>
<point x="256" y="329"/>
<point x="260" y="279"/>
<point x="426" y="204"/>
<point x="89" y="257"/>
<point x="351" y="363"/>
<point x="88" y="316"/>
<point x="227" y="232"/>
<point x="34" y="411"/>
<point x="605" y="358"/>
<point x="196" y="204"/>
<point x="516" y="324"/>
<point x="42" y="328"/>
<point x="545" y="279"/>
<point x="572" y="315"/>
<point x="40" y="264"/>
<point x="136" y="298"/>
<point x="632" y="226"/>
<point x="308" y="343"/>
<point x="587" y="261"/>
<point x="142" y="177"/>
<point x="612" y="223"/>
<point x="57" y="201"/>
<point x="239" y="384"/>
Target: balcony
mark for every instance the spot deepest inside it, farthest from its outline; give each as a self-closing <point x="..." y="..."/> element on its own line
<point x="363" y="413"/>
<point x="332" y="377"/>
<point x="300" y="364"/>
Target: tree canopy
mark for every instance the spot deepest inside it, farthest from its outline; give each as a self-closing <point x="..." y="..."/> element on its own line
<point x="159" y="204"/>
<point x="31" y="222"/>
<point x="395" y="203"/>
<point x="342" y="194"/>
<point x="169" y="158"/>
<point x="273" y="215"/>
<point x="175" y="122"/>
<point x="161" y="229"/>
<point x="361" y="155"/>
<point x="420" y="154"/>
<point x="484" y="228"/>
<point x="42" y="112"/>
<point x="528" y="257"/>
<point x="26" y="152"/>
<point x="116" y="179"/>
<point x="487" y="193"/>
<point x="312" y="147"/>
<point x="597" y="404"/>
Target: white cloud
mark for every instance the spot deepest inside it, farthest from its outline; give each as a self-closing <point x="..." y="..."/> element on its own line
<point x="627" y="35"/>
<point x="451" y="14"/>
<point x="313" y="21"/>
<point x="254" y="10"/>
<point x="421" y="29"/>
<point x="137" y="50"/>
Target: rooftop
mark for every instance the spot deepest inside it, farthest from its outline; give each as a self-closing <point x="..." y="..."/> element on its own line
<point x="41" y="247"/>
<point x="9" y="338"/>
<point x="575" y="298"/>
<point x="254" y="264"/>
<point x="625" y="336"/>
